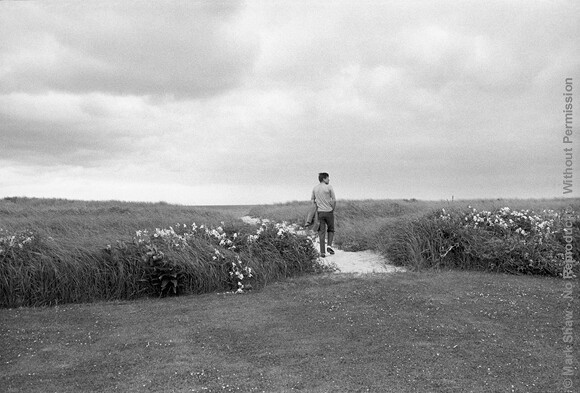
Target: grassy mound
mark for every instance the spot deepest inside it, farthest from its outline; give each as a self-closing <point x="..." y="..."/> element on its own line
<point x="38" y="269"/>
<point x="502" y="240"/>
<point x="357" y="222"/>
<point x="528" y="237"/>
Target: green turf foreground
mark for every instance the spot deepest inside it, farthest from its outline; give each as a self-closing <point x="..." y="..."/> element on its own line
<point x="408" y="332"/>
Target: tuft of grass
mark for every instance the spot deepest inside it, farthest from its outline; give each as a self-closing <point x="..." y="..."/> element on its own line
<point x="69" y="263"/>
<point x="357" y="222"/>
<point x="93" y="224"/>
<point x="371" y="224"/>
<point x="68" y="259"/>
<point x="504" y="240"/>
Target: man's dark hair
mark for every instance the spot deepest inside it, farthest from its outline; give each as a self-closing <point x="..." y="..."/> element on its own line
<point x="322" y="176"/>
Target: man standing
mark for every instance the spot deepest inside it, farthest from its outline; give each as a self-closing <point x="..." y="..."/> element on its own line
<point x="325" y="200"/>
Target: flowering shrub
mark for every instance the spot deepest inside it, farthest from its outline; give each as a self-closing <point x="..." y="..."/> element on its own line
<point x="166" y="275"/>
<point x="520" y="242"/>
<point x="291" y="241"/>
<point x="227" y="246"/>
<point x="504" y="222"/>
<point x="240" y="273"/>
<point x="14" y="243"/>
<point x="180" y="259"/>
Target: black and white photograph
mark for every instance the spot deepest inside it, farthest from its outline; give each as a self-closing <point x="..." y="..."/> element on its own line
<point x="289" y="195"/>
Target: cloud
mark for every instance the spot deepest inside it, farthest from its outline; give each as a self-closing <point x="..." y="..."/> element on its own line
<point x="252" y="100"/>
<point x="85" y="130"/>
<point x="184" y="49"/>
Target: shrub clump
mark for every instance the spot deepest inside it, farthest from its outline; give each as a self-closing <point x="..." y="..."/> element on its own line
<point x="184" y="259"/>
<point x="503" y="240"/>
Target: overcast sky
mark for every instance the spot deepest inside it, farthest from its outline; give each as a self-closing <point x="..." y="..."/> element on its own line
<point x="243" y="102"/>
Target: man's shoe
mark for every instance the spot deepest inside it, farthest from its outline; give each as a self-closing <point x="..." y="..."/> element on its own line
<point x="330" y="250"/>
<point x="322" y="255"/>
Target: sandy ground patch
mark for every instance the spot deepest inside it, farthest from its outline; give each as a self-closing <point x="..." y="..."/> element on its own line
<point x="360" y="262"/>
<point x="251" y="220"/>
<point x="349" y="262"/>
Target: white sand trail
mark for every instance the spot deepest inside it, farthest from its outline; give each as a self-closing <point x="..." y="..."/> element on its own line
<point x="360" y="262"/>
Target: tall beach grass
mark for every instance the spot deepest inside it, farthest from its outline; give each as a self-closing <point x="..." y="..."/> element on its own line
<point x="78" y="251"/>
<point x="59" y="251"/>
<point x="410" y="232"/>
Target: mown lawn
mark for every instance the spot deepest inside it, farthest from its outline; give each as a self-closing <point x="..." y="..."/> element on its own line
<point x="409" y="332"/>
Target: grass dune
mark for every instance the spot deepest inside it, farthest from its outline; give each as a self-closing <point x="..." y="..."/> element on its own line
<point x="74" y="251"/>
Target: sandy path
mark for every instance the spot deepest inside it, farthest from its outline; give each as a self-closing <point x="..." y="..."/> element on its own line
<point x="351" y="262"/>
<point x="360" y="262"/>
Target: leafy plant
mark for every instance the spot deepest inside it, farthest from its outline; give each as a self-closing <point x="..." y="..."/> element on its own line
<point x="504" y="240"/>
<point x="161" y="273"/>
